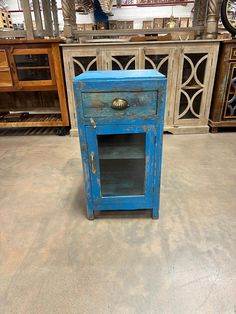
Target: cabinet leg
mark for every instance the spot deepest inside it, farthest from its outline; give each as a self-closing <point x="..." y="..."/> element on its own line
<point x="90" y="214"/>
<point x="155" y="213"/>
<point x="214" y="129"/>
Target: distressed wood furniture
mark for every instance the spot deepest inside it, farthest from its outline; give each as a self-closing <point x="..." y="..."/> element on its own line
<point x="120" y="128"/>
<point x="32" y="83"/>
<point x="189" y="67"/>
<point x="223" y="110"/>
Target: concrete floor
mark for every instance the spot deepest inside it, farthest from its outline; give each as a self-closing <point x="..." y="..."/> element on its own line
<point x="53" y="260"/>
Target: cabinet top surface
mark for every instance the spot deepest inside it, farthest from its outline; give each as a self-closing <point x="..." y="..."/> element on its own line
<point x="25" y="41"/>
<point x="119" y="75"/>
<point x="146" y="43"/>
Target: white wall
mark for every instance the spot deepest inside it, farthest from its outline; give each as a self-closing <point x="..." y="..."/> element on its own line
<point x="136" y="14"/>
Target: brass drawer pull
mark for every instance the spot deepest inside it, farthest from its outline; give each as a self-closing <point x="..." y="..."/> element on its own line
<point x="93" y="163"/>
<point x="119" y="104"/>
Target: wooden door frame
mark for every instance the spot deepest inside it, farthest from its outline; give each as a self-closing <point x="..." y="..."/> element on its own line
<point x="173" y="56"/>
<point x="27" y="51"/>
<point x="212" y="52"/>
<point x="68" y="55"/>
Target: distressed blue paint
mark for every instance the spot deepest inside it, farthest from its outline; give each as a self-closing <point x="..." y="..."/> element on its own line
<point x="99" y="104"/>
<point x="146" y="116"/>
<point x="158" y="154"/>
<point x="86" y="170"/>
<point x="119" y="75"/>
<point x="124" y="202"/>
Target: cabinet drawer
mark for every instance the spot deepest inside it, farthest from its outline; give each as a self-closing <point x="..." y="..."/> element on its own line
<point x="3" y="58"/>
<point x="107" y="104"/>
<point x="5" y="78"/>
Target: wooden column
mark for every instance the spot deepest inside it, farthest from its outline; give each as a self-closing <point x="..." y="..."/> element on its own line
<point x="73" y="19"/>
<point x="38" y="18"/>
<point x="200" y="15"/>
<point x="47" y="17"/>
<point x="68" y="10"/>
<point x="196" y="10"/>
<point x="212" y="19"/>
<point x="200" y="12"/>
<point x="27" y="18"/>
<point x="55" y="18"/>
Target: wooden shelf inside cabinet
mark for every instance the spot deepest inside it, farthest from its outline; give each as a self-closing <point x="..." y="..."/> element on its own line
<point x="34" y="120"/>
<point x="31" y="72"/>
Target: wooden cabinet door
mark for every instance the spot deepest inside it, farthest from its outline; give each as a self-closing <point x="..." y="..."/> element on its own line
<point x="76" y="62"/>
<point x="120" y="59"/>
<point x="33" y="67"/>
<point x="5" y="71"/>
<point x="121" y="162"/>
<point x="195" y="81"/>
<point x="229" y="109"/>
<point x="85" y="61"/>
<point x="164" y="60"/>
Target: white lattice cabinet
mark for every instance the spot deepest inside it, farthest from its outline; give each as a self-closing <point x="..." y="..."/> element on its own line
<point x="189" y="66"/>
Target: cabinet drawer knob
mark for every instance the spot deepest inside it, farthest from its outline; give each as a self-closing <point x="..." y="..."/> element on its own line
<point x="119" y="104"/>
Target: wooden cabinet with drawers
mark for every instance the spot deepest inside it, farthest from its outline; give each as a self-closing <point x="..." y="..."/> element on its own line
<point x="189" y="67"/>
<point x="120" y="121"/>
<point x="223" y="110"/>
<point x="32" y="89"/>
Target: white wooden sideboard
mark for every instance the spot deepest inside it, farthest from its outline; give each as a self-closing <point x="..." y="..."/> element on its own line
<point x="190" y="68"/>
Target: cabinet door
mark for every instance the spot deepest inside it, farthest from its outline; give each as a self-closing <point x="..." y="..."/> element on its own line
<point x="85" y="61"/>
<point x="5" y="72"/>
<point x="121" y="162"/>
<point x="195" y="85"/>
<point x="229" y="111"/>
<point x="164" y="60"/>
<point x="76" y="62"/>
<point x="120" y="59"/>
<point x="33" y="67"/>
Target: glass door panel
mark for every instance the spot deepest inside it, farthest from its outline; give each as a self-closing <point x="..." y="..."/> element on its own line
<point x="32" y="67"/>
<point x="121" y="161"/>
<point x="31" y="60"/>
<point x="122" y="164"/>
<point x="230" y="106"/>
<point x="29" y="74"/>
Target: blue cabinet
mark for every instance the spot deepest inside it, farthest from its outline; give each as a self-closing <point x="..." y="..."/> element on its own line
<point x="120" y="122"/>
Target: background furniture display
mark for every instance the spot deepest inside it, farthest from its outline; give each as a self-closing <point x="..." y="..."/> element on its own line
<point x="120" y="128"/>
<point x="32" y="89"/>
<point x="205" y="22"/>
<point x="45" y="16"/>
<point x="5" y="20"/>
<point x="189" y="66"/>
<point x="162" y="22"/>
<point x="85" y="27"/>
<point x="223" y="110"/>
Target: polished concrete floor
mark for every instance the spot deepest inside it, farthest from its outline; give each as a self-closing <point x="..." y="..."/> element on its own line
<point x="53" y="260"/>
